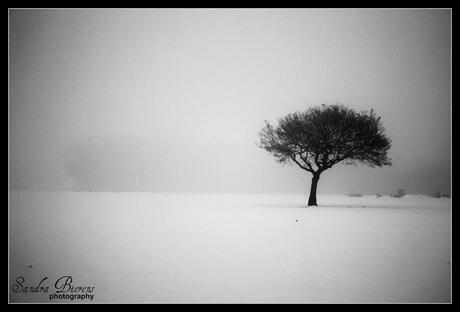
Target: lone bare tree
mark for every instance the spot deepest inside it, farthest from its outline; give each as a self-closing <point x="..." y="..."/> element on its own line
<point x="326" y="135"/>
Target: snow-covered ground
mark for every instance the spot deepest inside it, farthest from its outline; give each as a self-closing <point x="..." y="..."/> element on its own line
<point x="221" y="248"/>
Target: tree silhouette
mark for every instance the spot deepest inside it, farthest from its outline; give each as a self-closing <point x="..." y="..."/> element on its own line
<point x="324" y="136"/>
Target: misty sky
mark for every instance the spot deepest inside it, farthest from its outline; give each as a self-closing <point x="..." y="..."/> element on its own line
<point x="173" y="100"/>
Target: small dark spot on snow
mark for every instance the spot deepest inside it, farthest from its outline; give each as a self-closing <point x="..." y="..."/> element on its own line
<point x="296" y="220"/>
<point x="30" y="267"/>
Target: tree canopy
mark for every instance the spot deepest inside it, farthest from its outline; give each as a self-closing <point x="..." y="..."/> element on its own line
<point x="326" y="135"/>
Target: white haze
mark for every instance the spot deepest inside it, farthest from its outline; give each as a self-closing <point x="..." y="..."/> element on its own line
<point x="172" y="100"/>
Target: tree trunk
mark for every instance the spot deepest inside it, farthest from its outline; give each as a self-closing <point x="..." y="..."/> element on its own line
<point x="314" y="184"/>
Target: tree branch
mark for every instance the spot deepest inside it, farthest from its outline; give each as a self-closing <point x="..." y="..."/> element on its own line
<point x="300" y="165"/>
